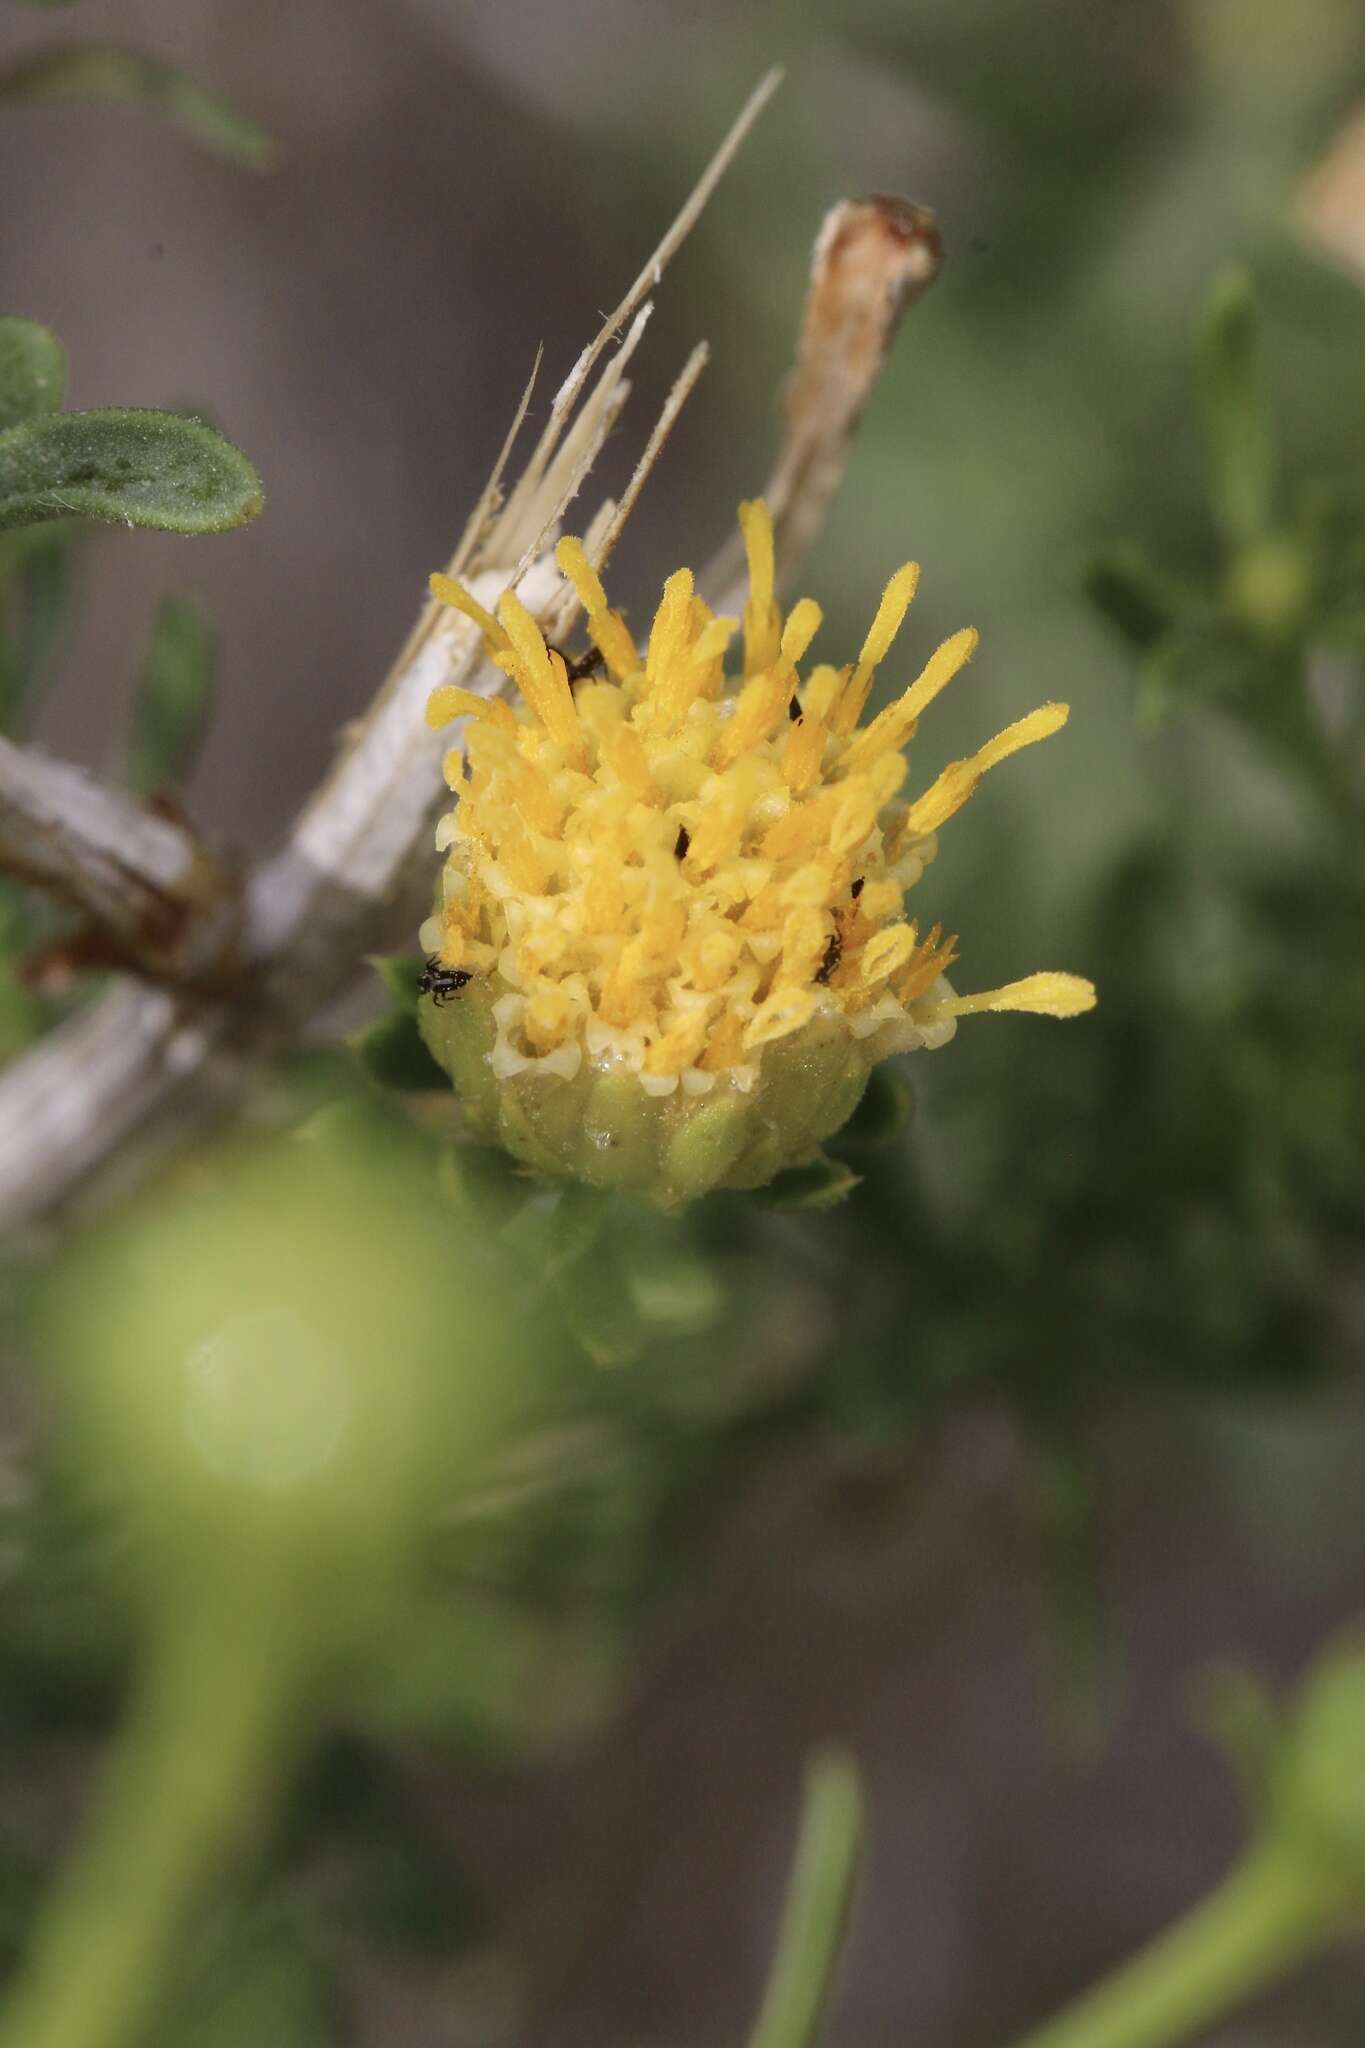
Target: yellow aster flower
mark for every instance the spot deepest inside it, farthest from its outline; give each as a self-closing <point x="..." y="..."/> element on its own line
<point x="677" y="889"/>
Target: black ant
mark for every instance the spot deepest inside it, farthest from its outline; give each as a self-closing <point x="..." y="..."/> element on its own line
<point x="441" y="983"/>
<point x="833" y="955"/>
<point x="578" y="667"/>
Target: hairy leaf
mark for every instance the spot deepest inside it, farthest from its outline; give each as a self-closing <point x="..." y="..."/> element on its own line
<point x="32" y="371"/>
<point x="132" y="467"/>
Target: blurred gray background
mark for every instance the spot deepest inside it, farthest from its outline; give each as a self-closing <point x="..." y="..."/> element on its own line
<point x="459" y="184"/>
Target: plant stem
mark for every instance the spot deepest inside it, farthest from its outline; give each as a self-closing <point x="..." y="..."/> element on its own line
<point x="1268" y="1915"/>
<point x="203" y="1743"/>
<point x="817" y="1905"/>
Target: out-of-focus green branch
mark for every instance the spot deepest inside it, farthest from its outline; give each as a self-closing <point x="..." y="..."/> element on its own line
<point x="817" y="1905"/>
<point x="1300" y="1886"/>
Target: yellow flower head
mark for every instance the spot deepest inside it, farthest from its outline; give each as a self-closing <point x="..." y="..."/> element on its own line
<point x="688" y="882"/>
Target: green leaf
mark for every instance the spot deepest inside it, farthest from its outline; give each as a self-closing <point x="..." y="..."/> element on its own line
<point x="104" y="71"/>
<point x="174" y="697"/>
<point x="393" y="1053"/>
<point x="1131" y="596"/>
<point x="131" y="467"/>
<point x="33" y="601"/>
<point x="32" y="371"/>
<point x="820" y="1184"/>
<point x="1238" y="434"/>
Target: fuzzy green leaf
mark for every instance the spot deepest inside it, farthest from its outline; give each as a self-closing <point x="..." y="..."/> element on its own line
<point x="1238" y="434"/>
<point x="174" y="697"/>
<point x="32" y="371"/>
<point x="128" y="466"/>
<point x="104" y="71"/>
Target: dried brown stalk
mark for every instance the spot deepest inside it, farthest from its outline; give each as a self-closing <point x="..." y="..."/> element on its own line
<point x="872" y="260"/>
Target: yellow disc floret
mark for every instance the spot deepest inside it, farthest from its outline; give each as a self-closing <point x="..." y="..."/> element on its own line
<point x="678" y="891"/>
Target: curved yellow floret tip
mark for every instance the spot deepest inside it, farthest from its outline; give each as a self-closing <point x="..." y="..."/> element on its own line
<point x="684" y="884"/>
<point x="1046" y="995"/>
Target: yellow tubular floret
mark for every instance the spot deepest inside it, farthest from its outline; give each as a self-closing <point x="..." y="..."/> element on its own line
<point x="891" y="728"/>
<point x="896" y="601"/>
<point x="540" y="675"/>
<point x="959" y="778"/>
<point x="447" y="591"/>
<point x="609" y="631"/>
<point x="762" y="620"/>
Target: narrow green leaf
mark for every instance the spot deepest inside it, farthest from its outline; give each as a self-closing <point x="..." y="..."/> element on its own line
<point x="104" y="71"/>
<point x="32" y="371"/>
<point x="174" y="697"/>
<point x="1235" y="407"/>
<point x="818" y="1899"/>
<point x="820" y="1184"/>
<point x="128" y="466"/>
<point x="33" y="602"/>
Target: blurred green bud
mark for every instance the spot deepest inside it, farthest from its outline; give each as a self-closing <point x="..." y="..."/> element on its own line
<point x="601" y="1127"/>
<point x="1269" y="585"/>
<point x="284" y="1371"/>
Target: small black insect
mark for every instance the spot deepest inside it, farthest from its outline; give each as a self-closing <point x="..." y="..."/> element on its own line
<point x="577" y="667"/>
<point x="681" y="843"/>
<point x="441" y="983"/>
<point x="833" y="954"/>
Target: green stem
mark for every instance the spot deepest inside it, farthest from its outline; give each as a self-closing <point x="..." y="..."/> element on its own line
<point x="204" y="1741"/>
<point x="1267" y="1916"/>
<point x="817" y="1905"/>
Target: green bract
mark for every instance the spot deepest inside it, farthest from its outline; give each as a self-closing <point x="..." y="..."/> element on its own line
<point x="602" y="1127"/>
